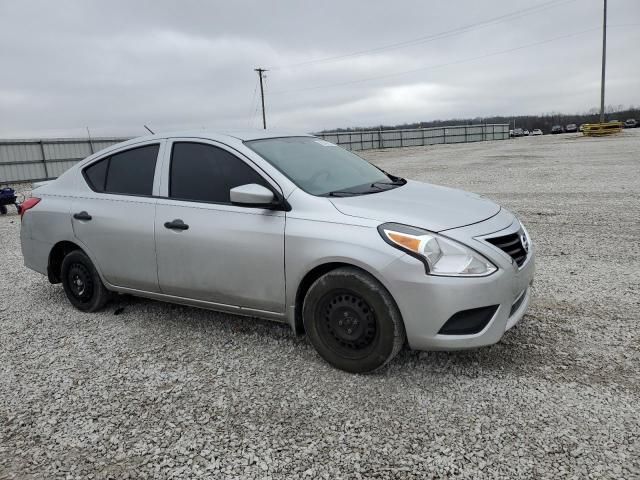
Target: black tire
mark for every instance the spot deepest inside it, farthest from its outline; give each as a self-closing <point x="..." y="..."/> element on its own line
<point x="82" y="283"/>
<point x="352" y="321"/>
<point x="3" y="209"/>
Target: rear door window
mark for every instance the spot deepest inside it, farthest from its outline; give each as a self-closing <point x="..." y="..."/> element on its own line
<point x="128" y="173"/>
<point x="131" y="172"/>
<point x="204" y="173"/>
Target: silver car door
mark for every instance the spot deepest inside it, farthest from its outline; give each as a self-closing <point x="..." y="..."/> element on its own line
<point x="113" y="218"/>
<point x="208" y="249"/>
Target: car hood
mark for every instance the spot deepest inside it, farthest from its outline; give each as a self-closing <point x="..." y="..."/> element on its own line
<point x="421" y="205"/>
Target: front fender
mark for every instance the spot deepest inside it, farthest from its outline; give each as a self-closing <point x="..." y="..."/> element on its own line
<point x="310" y="244"/>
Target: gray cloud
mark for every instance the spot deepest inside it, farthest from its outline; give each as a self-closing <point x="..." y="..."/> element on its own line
<point x="116" y="65"/>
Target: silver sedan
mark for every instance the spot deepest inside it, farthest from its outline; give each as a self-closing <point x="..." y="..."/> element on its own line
<point x="286" y="227"/>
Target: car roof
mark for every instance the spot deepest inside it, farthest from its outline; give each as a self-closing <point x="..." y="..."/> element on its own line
<point x="242" y="135"/>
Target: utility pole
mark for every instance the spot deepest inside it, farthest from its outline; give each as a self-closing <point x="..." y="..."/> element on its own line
<point x="260" y="74"/>
<point x="604" y="59"/>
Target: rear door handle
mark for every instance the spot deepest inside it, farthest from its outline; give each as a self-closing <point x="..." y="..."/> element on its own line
<point x="82" y="216"/>
<point x="176" y="224"/>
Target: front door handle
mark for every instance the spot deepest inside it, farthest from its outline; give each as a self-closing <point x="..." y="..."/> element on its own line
<point x="176" y="224"/>
<point x="82" y="216"/>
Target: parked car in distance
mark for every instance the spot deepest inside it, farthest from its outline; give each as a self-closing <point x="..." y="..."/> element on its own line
<point x="526" y="132"/>
<point x="581" y="127"/>
<point x="518" y="132"/>
<point x="630" y="123"/>
<point x="286" y="227"/>
<point x="557" y="129"/>
<point x="511" y="132"/>
<point x="536" y="132"/>
<point x="571" y="128"/>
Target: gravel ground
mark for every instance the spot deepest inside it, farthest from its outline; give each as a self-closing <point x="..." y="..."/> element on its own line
<point x="150" y="390"/>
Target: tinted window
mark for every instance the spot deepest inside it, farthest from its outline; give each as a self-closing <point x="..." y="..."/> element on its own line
<point x="206" y="173"/>
<point x="131" y="172"/>
<point x="96" y="175"/>
<point x="316" y="166"/>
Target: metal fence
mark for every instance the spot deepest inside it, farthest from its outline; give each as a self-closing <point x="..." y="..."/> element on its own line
<point x="44" y="159"/>
<point x="31" y="160"/>
<point x="416" y="137"/>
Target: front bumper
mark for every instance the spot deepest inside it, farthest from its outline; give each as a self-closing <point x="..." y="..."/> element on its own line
<point x="427" y="302"/>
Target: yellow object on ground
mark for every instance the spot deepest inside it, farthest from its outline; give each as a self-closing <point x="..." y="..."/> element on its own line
<point x="597" y="129"/>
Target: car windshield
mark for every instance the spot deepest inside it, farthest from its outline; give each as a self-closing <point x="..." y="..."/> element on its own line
<point x="322" y="168"/>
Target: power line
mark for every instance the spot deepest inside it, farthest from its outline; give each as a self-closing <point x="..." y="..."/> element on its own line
<point x="272" y="122"/>
<point x="251" y="110"/>
<point x="254" y="117"/>
<point x="433" y="37"/>
<point x="457" y="62"/>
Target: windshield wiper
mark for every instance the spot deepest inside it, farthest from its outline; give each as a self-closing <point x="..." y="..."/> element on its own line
<point x="367" y="189"/>
<point x="343" y="193"/>
<point x="393" y="178"/>
<point x="396" y="182"/>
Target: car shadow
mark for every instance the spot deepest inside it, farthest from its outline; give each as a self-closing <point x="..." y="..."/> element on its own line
<point x="528" y="346"/>
<point x="521" y="348"/>
<point x="194" y="318"/>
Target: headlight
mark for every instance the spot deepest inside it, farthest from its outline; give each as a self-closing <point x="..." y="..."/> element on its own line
<point x="440" y="255"/>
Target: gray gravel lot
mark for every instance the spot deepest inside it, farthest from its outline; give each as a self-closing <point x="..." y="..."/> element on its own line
<point x="163" y="391"/>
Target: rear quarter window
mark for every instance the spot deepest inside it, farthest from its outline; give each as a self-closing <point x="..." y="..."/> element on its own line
<point x="126" y="173"/>
<point x="96" y="175"/>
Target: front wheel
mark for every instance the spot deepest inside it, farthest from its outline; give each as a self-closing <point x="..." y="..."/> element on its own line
<point x="82" y="283"/>
<point x="3" y="209"/>
<point x="352" y="321"/>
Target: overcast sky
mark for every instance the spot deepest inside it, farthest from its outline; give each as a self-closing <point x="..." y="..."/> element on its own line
<point x="116" y="65"/>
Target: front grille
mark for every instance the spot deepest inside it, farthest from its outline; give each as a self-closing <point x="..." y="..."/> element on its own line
<point x="512" y="245"/>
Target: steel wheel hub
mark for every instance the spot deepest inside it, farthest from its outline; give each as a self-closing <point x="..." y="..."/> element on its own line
<point x="78" y="285"/>
<point x="349" y="321"/>
<point x="80" y="282"/>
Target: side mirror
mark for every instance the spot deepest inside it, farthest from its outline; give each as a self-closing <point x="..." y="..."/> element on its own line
<point x="252" y="195"/>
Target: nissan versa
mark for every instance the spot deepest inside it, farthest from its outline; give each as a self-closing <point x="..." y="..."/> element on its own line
<point x="290" y="228"/>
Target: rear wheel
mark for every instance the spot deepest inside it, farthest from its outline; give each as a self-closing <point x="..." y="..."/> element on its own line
<point x="352" y="321"/>
<point x="3" y="209"/>
<point x="82" y="283"/>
